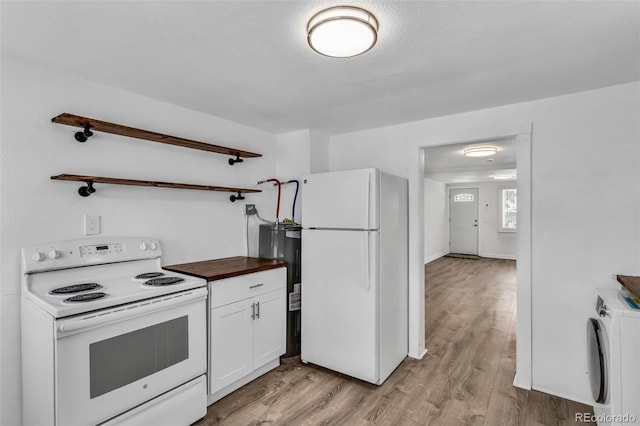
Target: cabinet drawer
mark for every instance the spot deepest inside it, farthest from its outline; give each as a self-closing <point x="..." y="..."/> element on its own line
<point x="229" y="290"/>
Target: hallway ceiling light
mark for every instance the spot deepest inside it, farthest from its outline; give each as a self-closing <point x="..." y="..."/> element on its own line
<point x="503" y="177"/>
<point x="342" y="31"/>
<point x="480" y="151"/>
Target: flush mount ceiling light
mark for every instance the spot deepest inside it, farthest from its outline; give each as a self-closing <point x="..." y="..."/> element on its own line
<point x="342" y="31"/>
<point x="503" y="177"/>
<point x="480" y="151"/>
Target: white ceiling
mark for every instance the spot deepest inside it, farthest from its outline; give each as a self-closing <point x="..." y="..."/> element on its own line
<point x="447" y="163"/>
<point x="248" y="61"/>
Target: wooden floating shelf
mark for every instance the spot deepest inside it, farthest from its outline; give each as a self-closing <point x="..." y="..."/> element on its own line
<point x="85" y="191"/>
<point x="117" y="129"/>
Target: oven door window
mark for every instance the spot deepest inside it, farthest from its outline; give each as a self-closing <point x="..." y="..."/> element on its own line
<point x="121" y="360"/>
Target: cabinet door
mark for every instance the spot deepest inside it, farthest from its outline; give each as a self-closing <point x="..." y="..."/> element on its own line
<point x="269" y="327"/>
<point x="231" y="334"/>
<point x="629" y="368"/>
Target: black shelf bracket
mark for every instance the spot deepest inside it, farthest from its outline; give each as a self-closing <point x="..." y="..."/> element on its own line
<point x="85" y="191"/>
<point x="233" y="198"/>
<point x="84" y="135"/>
<point x="233" y="161"/>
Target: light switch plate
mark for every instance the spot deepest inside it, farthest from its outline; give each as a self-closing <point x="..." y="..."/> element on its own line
<point x="91" y="224"/>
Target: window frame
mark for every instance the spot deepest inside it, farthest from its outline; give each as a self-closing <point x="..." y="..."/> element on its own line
<point x="469" y="199"/>
<point x="501" y="211"/>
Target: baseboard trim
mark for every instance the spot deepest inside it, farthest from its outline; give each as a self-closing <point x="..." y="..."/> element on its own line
<point x="499" y="256"/>
<point x="420" y="355"/>
<point x="435" y="257"/>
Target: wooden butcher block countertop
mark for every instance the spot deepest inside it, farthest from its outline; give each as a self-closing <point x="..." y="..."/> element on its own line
<point x="217" y="269"/>
<point x="630" y="283"/>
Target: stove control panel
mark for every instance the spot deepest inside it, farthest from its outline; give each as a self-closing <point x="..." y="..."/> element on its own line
<point x="75" y="253"/>
<point x="102" y="249"/>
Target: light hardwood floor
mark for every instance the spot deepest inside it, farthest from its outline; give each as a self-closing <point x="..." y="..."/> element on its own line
<point x="465" y="378"/>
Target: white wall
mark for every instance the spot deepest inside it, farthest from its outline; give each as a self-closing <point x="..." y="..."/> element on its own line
<point x="585" y="208"/>
<point x="319" y="149"/>
<point x="192" y="225"/>
<point x="293" y="163"/>
<point x="436" y="220"/>
<point x="491" y="243"/>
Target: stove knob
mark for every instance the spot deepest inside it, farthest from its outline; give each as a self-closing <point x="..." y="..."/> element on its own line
<point x="38" y="257"/>
<point x="54" y="254"/>
<point x="143" y="246"/>
<point x="153" y="246"/>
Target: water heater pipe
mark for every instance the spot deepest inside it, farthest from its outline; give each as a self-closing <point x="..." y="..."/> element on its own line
<point x="293" y="210"/>
<point x="277" y="182"/>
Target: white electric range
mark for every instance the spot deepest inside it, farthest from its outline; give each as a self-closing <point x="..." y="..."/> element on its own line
<point x="109" y="337"/>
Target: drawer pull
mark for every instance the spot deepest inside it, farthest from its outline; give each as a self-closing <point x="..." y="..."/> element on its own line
<point x="256" y="285"/>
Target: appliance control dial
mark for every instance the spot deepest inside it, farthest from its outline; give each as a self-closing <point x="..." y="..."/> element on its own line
<point x="143" y="246"/>
<point x="38" y="257"/>
<point x="54" y="254"/>
<point x="153" y="246"/>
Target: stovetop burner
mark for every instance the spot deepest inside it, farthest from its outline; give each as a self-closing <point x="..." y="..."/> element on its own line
<point x="163" y="281"/>
<point x="148" y="275"/>
<point x="104" y="273"/>
<point x="88" y="297"/>
<point x="75" y="288"/>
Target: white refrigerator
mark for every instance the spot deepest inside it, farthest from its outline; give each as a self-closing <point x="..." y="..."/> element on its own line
<point x="355" y="272"/>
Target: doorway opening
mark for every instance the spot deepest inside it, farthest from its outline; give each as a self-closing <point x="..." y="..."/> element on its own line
<point x="439" y="174"/>
<point x="463" y="195"/>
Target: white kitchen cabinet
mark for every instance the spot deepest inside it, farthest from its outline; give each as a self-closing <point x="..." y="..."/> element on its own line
<point x="269" y="339"/>
<point x="231" y="336"/>
<point x="247" y="326"/>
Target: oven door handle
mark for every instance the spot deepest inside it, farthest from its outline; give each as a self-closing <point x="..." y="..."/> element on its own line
<point x="129" y="311"/>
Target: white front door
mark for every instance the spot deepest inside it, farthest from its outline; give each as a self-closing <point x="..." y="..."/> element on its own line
<point x="463" y="221"/>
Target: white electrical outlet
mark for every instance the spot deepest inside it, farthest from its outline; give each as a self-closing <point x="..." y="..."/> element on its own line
<point x="91" y="224"/>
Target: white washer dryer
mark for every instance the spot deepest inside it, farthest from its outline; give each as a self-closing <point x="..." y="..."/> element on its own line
<point x="613" y="344"/>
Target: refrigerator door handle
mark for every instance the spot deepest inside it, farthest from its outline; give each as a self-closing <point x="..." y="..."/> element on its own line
<point x="368" y="209"/>
<point x="367" y="253"/>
